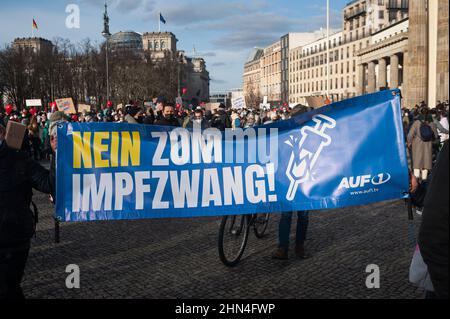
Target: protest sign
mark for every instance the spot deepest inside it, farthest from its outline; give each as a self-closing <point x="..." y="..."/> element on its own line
<point x="315" y="101"/>
<point x="348" y="153"/>
<point x="15" y="132"/>
<point x="66" y="105"/>
<point x="84" y="108"/>
<point x="36" y="102"/>
<point x="238" y="103"/>
<point x="212" y="106"/>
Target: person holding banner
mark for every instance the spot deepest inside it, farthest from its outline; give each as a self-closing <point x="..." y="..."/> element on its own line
<point x="284" y="230"/>
<point x="18" y="176"/>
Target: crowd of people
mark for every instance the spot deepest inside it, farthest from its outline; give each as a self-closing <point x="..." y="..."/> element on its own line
<point x="426" y="131"/>
<point x="161" y="113"/>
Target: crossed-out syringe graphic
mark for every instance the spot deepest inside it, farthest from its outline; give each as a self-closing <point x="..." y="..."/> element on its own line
<point x="310" y="146"/>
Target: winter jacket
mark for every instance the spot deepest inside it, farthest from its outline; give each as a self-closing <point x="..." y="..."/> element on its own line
<point x="18" y="176"/>
<point x="434" y="231"/>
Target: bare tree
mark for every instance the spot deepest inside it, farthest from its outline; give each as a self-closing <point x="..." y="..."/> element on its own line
<point x="79" y="71"/>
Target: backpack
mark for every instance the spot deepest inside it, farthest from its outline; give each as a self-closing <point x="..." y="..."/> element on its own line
<point x="426" y="133"/>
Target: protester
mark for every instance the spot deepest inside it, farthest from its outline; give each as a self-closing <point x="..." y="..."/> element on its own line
<point x="132" y="114"/>
<point x="284" y="230"/>
<point x="149" y="118"/>
<point x="168" y="116"/>
<point x="434" y="231"/>
<point x="18" y="175"/>
<point x="420" y="140"/>
<point x="198" y="121"/>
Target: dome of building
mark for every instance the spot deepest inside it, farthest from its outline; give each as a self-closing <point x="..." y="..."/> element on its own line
<point x="125" y="41"/>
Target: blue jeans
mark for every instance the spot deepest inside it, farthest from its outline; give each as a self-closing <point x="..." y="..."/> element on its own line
<point x="284" y="229"/>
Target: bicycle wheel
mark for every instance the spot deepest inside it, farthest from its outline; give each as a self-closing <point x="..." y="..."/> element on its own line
<point x="233" y="235"/>
<point x="260" y="224"/>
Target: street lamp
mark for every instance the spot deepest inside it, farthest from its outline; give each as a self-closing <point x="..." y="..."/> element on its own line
<point x="107" y="35"/>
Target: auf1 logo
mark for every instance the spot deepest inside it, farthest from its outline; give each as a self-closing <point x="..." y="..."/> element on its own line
<point x="361" y="181"/>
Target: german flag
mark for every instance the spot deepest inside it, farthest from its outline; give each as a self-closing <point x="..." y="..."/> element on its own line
<point x="35" y="26"/>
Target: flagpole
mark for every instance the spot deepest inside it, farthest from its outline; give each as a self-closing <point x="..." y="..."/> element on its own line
<point x="159" y="22"/>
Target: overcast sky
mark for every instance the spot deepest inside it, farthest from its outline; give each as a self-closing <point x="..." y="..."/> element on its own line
<point x="223" y="32"/>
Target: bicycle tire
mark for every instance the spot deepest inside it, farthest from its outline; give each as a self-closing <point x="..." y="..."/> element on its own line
<point x="232" y="261"/>
<point x="260" y="225"/>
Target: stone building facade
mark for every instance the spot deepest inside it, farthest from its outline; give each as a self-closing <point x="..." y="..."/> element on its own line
<point x="159" y="43"/>
<point x="382" y="64"/>
<point x="252" y="73"/>
<point x="411" y="54"/>
<point x="362" y="19"/>
<point x="34" y="44"/>
<point x="270" y="83"/>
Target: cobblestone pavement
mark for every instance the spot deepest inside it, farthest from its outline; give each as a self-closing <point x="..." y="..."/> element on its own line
<point x="178" y="258"/>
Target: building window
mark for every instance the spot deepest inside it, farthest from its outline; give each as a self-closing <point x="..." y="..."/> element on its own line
<point x="381" y="14"/>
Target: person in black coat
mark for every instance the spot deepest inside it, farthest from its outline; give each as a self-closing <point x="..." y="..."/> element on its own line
<point x="19" y="174"/>
<point x="168" y="116"/>
<point x="434" y="231"/>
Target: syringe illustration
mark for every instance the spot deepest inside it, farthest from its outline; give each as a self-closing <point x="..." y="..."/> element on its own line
<point x="310" y="146"/>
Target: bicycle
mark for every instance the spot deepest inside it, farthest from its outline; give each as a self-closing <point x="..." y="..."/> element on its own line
<point x="234" y="231"/>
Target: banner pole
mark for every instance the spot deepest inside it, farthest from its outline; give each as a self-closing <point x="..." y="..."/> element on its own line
<point x="57" y="231"/>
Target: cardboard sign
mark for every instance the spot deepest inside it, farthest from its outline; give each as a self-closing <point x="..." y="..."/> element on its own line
<point x="30" y="103"/>
<point x="315" y="101"/>
<point x="66" y="105"/>
<point x="84" y="108"/>
<point x="238" y="103"/>
<point x="15" y="132"/>
<point x="212" y="106"/>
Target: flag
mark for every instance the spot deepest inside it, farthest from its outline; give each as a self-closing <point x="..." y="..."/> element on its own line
<point x="161" y="18"/>
<point x="35" y="26"/>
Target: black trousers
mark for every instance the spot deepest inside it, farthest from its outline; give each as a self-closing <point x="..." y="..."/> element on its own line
<point x="12" y="266"/>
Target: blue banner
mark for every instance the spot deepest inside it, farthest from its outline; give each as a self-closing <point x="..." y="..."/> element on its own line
<point x="347" y="153"/>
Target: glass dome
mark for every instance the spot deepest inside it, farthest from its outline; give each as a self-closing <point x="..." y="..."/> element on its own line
<point x="125" y="41"/>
